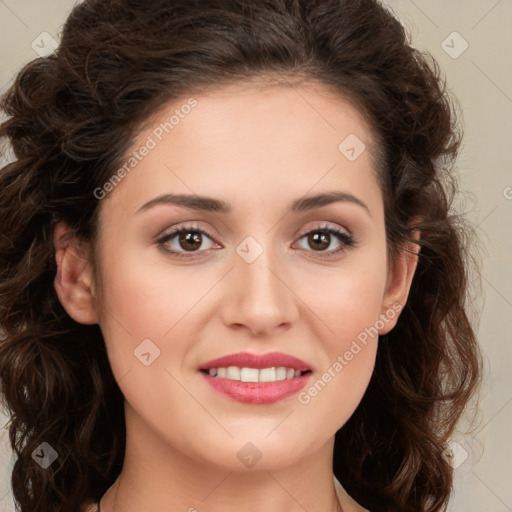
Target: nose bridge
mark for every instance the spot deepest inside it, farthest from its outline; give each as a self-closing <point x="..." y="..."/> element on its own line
<point x="260" y="300"/>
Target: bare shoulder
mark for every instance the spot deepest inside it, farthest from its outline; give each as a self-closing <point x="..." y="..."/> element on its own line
<point x="349" y="504"/>
<point x="355" y="507"/>
<point x="89" y="506"/>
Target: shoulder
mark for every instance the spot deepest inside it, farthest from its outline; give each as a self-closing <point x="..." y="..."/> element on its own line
<point x="89" y="506"/>
<point x="347" y="500"/>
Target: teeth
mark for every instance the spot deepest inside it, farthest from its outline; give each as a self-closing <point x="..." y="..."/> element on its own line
<point x="249" y="374"/>
<point x="281" y="373"/>
<point x="254" y="374"/>
<point x="233" y="373"/>
<point x="267" y="375"/>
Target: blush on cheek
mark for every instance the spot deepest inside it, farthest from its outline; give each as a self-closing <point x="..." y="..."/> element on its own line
<point x="353" y="312"/>
<point x="135" y="302"/>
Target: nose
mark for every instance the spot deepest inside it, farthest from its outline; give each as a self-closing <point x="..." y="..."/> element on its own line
<point x="258" y="297"/>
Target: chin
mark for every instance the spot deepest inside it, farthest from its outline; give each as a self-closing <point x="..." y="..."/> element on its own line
<point x="251" y="453"/>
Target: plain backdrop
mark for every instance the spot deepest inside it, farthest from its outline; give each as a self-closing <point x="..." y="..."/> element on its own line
<point x="472" y="41"/>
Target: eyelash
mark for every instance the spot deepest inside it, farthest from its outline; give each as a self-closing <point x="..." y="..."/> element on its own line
<point x="347" y="240"/>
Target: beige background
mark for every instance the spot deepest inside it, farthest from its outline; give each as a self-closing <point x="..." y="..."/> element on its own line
<point x="480" y="77"/>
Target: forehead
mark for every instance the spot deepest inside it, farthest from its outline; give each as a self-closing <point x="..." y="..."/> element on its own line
<point x="256" y="137"/>
<point x="299" y="109"/>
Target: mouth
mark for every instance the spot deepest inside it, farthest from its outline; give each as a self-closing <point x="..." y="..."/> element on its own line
<point x="256" y="378"/>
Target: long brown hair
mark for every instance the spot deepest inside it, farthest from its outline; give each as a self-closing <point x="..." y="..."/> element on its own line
<point x="71" y="118"/>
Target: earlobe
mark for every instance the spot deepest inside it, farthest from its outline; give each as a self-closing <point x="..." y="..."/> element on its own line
<point x="74" y="280"/>
<point x="399" y="283"/>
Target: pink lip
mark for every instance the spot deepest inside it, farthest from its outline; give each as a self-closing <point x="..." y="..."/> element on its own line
<point x="248" y="360"/>
<point x="257" y="392"/>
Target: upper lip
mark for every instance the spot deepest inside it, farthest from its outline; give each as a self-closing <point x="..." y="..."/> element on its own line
<point x="250" y="360"/>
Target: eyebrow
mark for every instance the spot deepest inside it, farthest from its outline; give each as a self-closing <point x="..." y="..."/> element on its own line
<point x="210" y="204"/>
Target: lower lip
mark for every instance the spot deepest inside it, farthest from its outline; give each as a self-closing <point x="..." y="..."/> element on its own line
<point x="257" y="392"/>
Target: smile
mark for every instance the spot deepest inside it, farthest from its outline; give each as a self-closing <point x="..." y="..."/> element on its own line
<point x="256" y="378"/>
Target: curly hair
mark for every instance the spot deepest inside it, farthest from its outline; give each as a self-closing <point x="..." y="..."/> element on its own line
<point x="74" y="114"/>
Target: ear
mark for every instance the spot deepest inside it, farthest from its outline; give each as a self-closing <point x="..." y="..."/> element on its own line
<point x="74" y="279"/>
<point x="399" y="283"/>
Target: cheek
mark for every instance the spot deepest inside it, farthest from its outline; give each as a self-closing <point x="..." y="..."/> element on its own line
<point x="349" y="304"/>
<point x="349" y="299"/>
<point x="349" y="360"/>
<point x="146" y="300"/>
<point x="351" y="350"/>
<point x="131" y="307"/>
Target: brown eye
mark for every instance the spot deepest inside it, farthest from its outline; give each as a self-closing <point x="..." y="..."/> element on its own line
<point x="188" y="241"/>
<point x="185" y="239"/>
<point x="321" y="238"/>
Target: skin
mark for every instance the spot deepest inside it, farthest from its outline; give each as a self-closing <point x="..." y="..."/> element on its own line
<point x="258" y="149"/>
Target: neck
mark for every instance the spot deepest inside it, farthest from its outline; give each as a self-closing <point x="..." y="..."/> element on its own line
<point x="155" y="475"/>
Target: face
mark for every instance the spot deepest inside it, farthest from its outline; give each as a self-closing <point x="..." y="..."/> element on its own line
<point x="263" y="271"/>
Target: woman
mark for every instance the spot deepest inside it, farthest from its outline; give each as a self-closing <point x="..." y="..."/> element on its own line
<point x="230" y="273"/>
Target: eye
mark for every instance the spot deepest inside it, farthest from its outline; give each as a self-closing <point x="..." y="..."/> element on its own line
<point x="188" y="238"/>
<point x="322" y="237"/>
